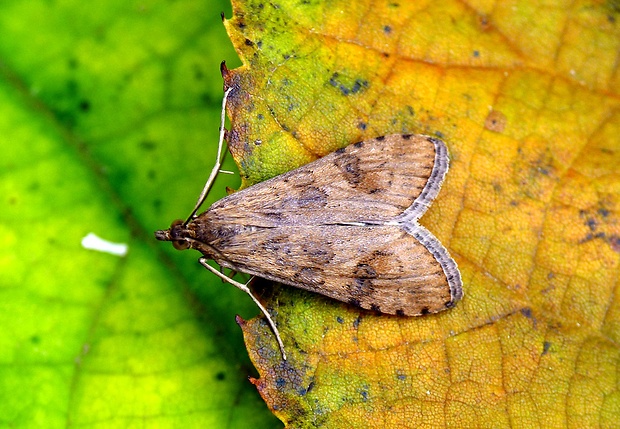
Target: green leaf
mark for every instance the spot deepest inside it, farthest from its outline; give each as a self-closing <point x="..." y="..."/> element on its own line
<point x="109" y="115"/>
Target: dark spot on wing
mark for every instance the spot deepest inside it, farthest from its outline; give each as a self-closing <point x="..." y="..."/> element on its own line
<point x="363" y="286"/>
<point x="375" y="307"/>
<point x="365" y="271"/>
<point x="350" y="168"/>
<point x="356" y="302"/>
<point x="400" y="312"/>
<point x="318" y="254"/>
<point x="275" y="215"/>
<point x="309" y="197"/>
<point x="277" y="245"/>
<point x="309" y="276"/>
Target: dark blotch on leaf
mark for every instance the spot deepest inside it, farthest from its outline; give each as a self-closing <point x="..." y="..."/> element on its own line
<point x="357" y="86"/>
<point x="147" y="145"/>
<point x="364" y="394"/>
<point x="356" y="322"/>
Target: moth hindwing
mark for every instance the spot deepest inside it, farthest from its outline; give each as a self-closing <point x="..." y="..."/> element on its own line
<point x="345" y="226"/>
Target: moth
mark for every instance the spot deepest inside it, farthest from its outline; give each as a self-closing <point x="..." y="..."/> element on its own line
<point x="344" y="226"/>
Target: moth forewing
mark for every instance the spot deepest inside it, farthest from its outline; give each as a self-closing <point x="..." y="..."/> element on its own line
<point x="377" y="267"/>
<point x="344" y="226"/>
<point x="371" y="181"/>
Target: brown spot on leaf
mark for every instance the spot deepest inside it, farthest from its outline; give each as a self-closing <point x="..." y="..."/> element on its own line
<point x="495" y="121"/>
<point x="483" y="22"/>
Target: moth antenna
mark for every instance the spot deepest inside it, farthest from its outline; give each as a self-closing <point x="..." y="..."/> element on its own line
<point x="244" y="287"/>
<point x="218" y="161"/>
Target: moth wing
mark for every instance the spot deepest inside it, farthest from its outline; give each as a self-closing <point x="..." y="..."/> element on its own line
<point x="401" y="270"/>
<point x="370" y="181"/>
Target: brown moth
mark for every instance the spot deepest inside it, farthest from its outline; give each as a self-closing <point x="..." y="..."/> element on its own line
<point x="345" y="226"/>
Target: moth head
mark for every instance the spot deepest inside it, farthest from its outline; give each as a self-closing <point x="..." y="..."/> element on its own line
<point x="193" y="234"/>
<point x="178" y="234"/>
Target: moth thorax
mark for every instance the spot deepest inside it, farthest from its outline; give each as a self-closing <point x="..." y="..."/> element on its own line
<point x="214" y="234"/>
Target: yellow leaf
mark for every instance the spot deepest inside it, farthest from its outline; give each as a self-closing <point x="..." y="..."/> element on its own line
<point x="526" y="98"/>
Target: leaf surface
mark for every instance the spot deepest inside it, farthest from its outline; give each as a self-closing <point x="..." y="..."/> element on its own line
<point x="526" y="98"/>
<point x="109" y="112"/>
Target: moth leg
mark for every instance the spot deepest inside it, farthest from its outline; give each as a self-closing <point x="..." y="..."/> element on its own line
<point x="218" y="161"/>
<point x="230" y="275"/>
<point x="244" y="287"/>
